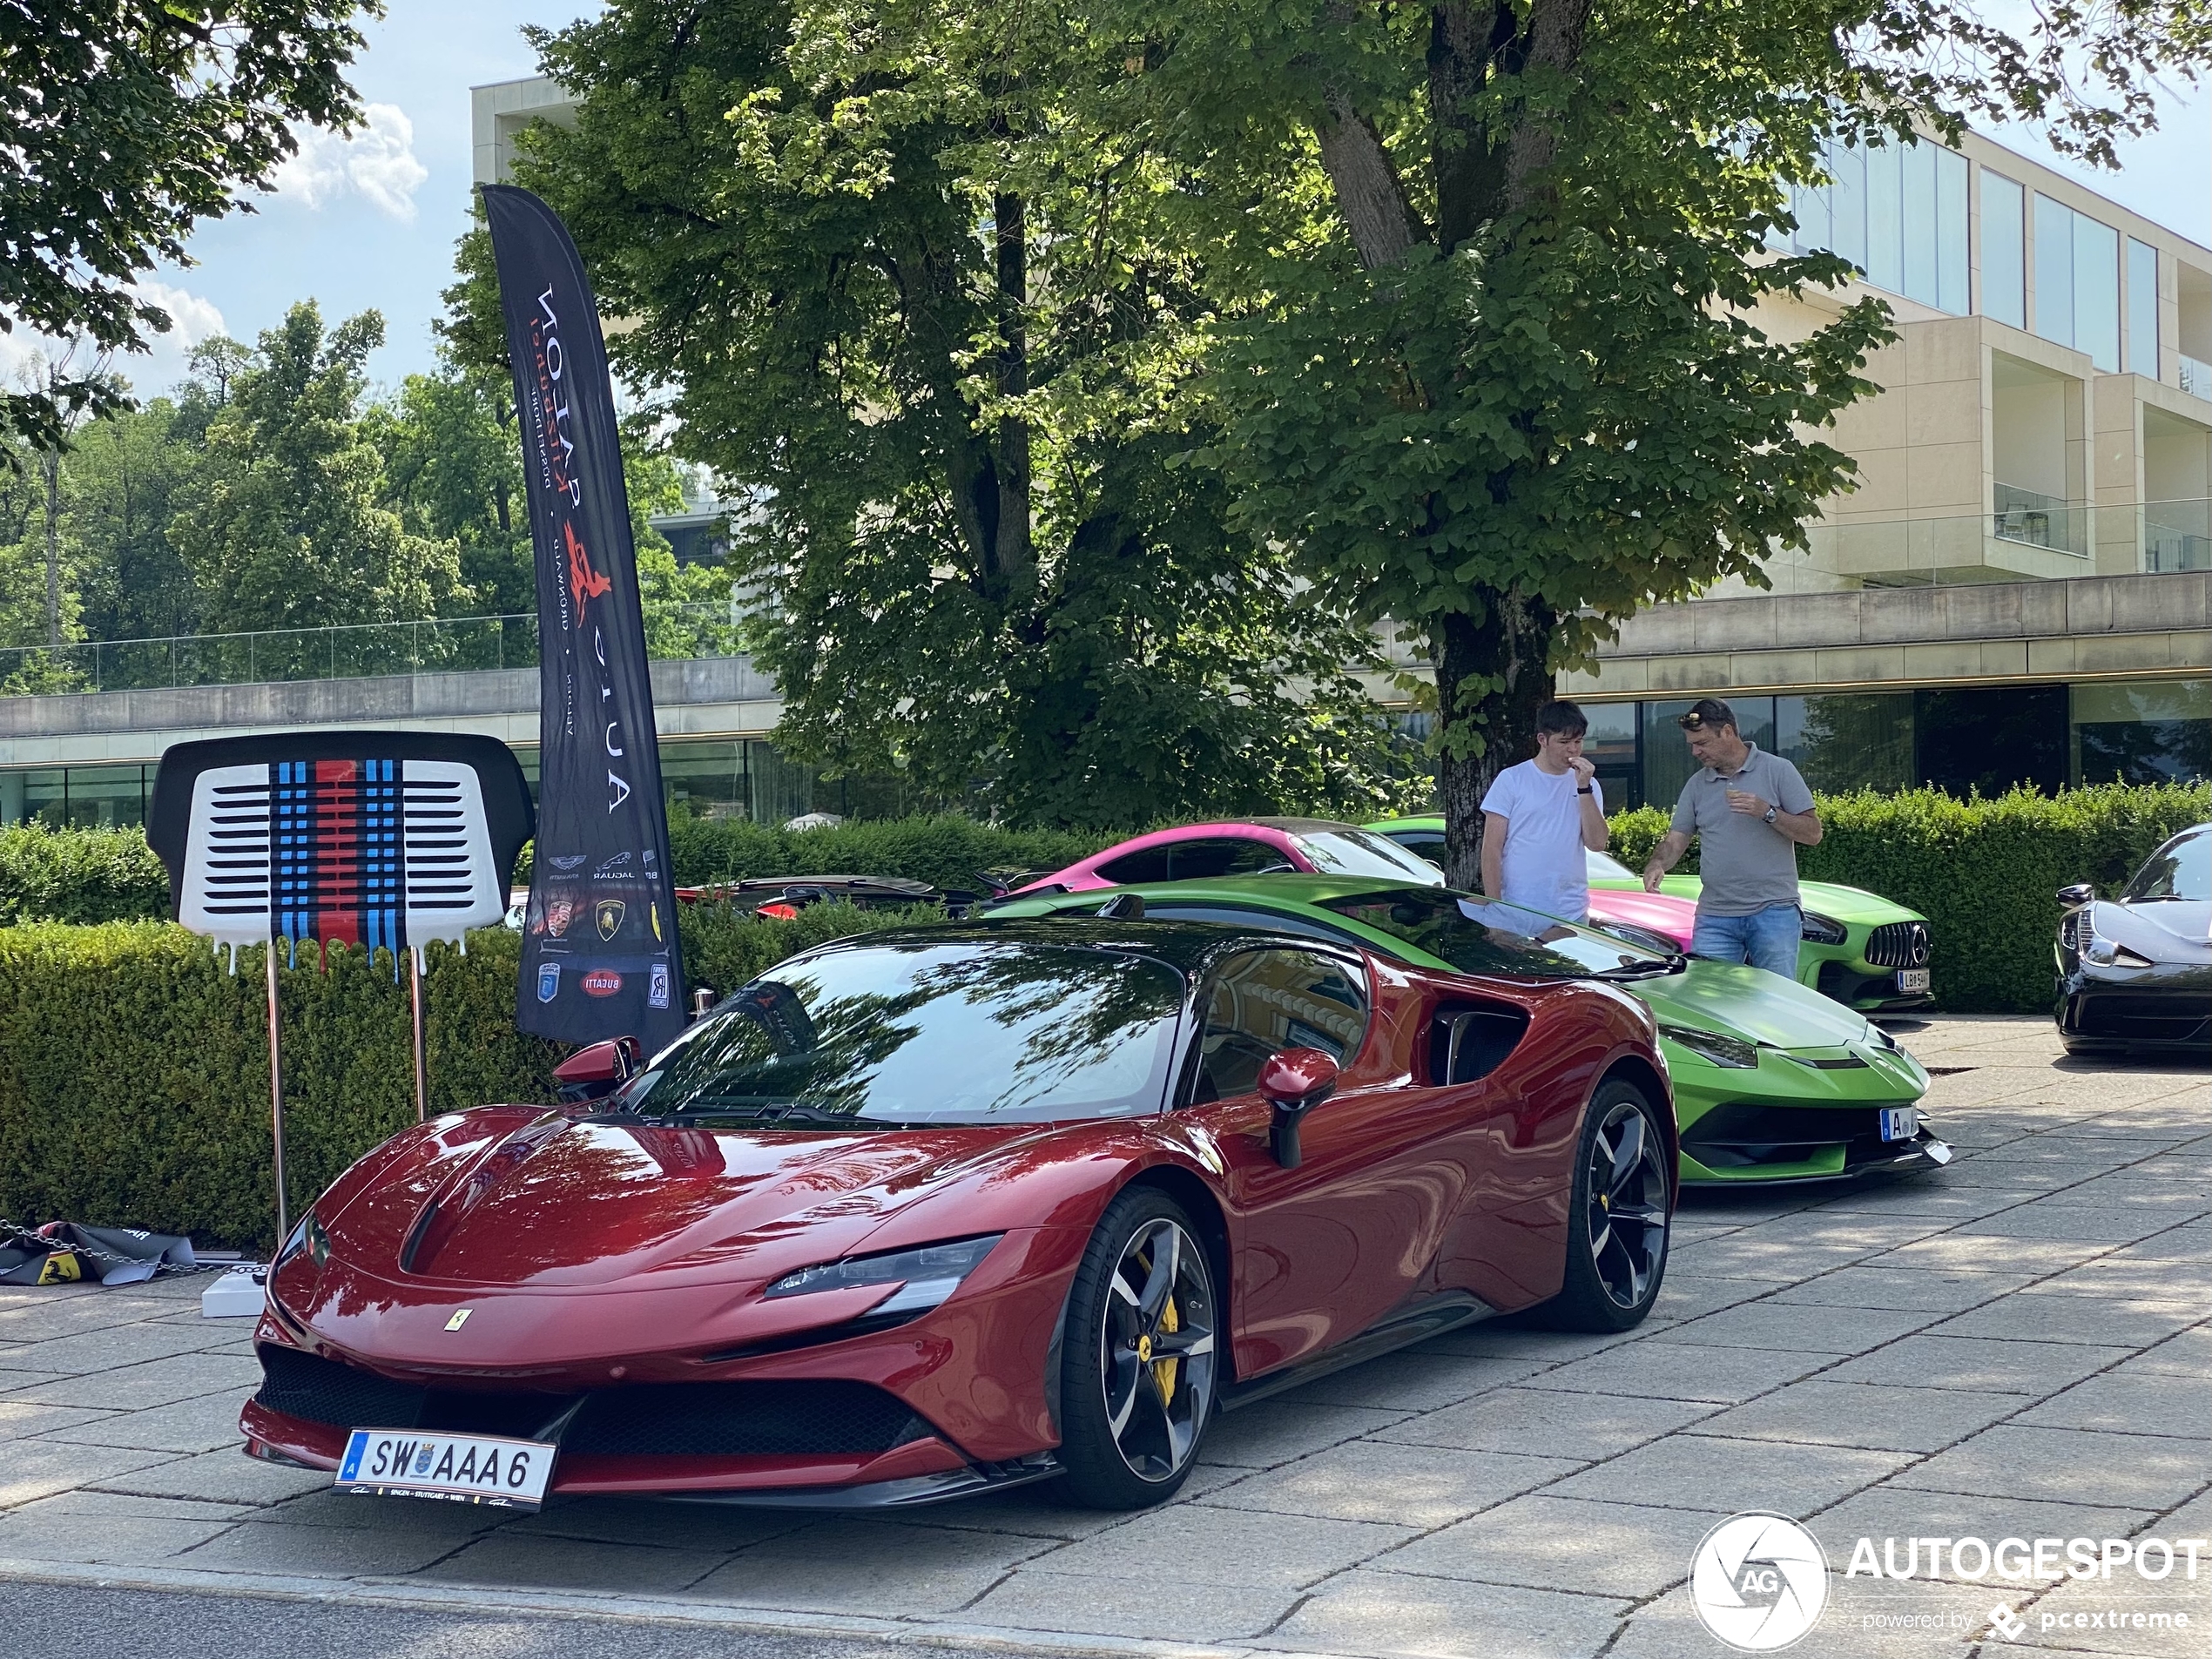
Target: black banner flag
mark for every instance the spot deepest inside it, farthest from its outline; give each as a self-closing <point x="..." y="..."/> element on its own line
<point x="599" y="949"/>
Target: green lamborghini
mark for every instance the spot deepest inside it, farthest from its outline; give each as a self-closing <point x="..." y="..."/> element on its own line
<point x="1772" y="1083"/>
<point x="1858" y="947"/>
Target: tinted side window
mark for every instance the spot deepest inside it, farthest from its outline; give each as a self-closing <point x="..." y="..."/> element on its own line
<point x="1150" y="865"/>
<point x="1265" y="1000"/>
<point x="1204" y="860"/>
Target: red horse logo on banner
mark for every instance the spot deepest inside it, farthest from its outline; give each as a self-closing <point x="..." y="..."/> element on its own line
<point x="584" y="583"/>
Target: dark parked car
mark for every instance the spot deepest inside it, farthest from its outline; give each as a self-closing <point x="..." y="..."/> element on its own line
<point x="2135" y="972"/>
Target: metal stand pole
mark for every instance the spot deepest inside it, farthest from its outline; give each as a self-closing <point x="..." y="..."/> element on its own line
<point x="421" y="1053"/>
<point x="276" y="1100"/>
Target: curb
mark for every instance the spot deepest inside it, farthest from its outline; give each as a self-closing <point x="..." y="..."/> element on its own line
<point x="584" y="1606"/>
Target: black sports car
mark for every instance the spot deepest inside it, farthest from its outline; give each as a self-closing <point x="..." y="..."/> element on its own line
<point x="2135" y="972"/>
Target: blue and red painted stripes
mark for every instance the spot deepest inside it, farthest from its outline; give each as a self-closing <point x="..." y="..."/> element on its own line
<point x="337" y="860"/>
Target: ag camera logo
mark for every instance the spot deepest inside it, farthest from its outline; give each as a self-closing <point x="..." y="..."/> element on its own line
<point x="1758" y="1582"/>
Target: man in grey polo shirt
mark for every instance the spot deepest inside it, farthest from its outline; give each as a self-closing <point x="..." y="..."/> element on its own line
<point x="1750" y="812"/>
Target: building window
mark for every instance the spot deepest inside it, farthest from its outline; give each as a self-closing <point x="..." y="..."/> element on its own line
<point x="2077" y="282"/>
<point x="1897" y="212"/>
<point x="1847" y="742"/>
<point x="2142" y="731"/>
<point x="1990" y="738"/>
<point x="2142" y="309"/>
<point x="2004" y="255"/>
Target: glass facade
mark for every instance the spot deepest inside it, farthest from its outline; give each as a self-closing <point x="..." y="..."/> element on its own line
<point x="2077" y="282"/>
<point x="2142" y="309"/>
<point x="2004" y="250"/>
<point x="1897" y="212"/>
<point x="2141" y="732"/>
<point x="705" y="777"/>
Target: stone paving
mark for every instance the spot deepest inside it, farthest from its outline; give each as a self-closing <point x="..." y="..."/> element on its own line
<point x="2019" y="1345"/>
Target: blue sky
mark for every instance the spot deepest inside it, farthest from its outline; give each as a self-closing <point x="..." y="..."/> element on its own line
<point x="373" y="221"/>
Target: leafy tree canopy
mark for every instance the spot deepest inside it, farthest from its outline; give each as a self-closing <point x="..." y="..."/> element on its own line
<point x="870" y="267"/>
<point x="1485" y="356"/>
<point x="126" y="122"/>
<point x="285" y="524"/>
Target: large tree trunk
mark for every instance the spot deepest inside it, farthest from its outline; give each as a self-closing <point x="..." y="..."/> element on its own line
<point x="1492" y="676"/>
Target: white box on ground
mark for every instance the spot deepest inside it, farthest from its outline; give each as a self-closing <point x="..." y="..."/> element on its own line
<point x="237" y="1294"/>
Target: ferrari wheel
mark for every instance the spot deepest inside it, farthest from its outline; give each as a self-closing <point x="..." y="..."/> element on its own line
<point x="1137" y="1357"/>
<point x="1617" y="1252"/>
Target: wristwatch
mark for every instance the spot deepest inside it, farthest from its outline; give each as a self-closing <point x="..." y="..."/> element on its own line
<point x="1584" y="790"/>
<point x="1768" y="816"/>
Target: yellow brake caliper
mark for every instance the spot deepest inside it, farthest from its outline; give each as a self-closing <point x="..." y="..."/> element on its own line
<point x="1164" y="1369"/>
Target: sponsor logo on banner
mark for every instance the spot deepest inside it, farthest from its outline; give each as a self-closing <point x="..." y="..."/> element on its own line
<point x="570" y="861"/>
<point x="560" y="910"/>
<point x="614" y="865"/>
<point x="653" y="912"/>
<point x="548" y="980"/>
<point x="656" y="996"/>
<point x="608" y="913"/>
<point x="602" y="981"/>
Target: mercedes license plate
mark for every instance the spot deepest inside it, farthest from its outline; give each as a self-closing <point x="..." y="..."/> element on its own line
<point x="1900" y="1122"/>
<point x="1910" y="980"/>
<point x="461" y="1468"/>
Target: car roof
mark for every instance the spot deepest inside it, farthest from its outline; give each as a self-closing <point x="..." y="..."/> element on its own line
<point x="1184" y="945"/>
<point x="1279" y="892"/>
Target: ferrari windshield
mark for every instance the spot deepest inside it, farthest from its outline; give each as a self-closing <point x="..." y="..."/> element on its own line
<point x="918" y="1034"/>
<point x="2180" y="869"/>
<point x="1483" y="936"/>
<point x="1357" y="852"/>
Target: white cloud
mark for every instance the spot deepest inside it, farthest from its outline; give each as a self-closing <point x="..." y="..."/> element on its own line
<point x="376" y="163"/>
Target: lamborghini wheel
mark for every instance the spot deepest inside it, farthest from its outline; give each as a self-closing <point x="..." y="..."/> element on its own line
<point x="1137" y="1356"/>
<point x="1617" y="1251"/>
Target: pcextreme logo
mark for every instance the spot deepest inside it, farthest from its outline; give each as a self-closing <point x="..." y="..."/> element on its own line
<point x="1758" y="1582"/>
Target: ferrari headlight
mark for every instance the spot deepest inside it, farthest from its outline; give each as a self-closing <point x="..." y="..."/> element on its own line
<point x="308" y="1237"/>
<point x="1711" y="1045"/>
<point x="931" y="1273"/>
<point x="1823" y="930"/>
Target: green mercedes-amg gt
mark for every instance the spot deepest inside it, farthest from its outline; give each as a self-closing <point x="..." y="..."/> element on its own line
<point x="1857" y="946"/>
<point x="1772" y="1083"/>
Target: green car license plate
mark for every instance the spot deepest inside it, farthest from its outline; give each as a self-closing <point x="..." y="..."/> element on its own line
<point x="1912" y="980"/>
<point x="1900" y="1122"/>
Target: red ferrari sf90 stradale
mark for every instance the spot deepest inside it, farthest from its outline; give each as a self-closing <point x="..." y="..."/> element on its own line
<point x="947" y="1210"/>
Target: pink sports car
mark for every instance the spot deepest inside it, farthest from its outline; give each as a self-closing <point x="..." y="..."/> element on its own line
<point x="1317" y="847"/>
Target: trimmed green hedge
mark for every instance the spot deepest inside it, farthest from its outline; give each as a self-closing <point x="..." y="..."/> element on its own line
<point x="78" y="875"/>
<point x="945" y="851"/>
<point x="1982" y="871"/>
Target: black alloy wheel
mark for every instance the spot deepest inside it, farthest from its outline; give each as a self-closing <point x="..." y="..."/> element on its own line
<point x="1617" y="1254"/>
<point x="1138" y="1357"/>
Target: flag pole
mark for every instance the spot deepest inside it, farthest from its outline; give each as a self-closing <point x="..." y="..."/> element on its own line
<point x="421" y="1053"/>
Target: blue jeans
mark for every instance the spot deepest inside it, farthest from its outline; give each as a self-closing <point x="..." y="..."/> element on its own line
<point x="1765" y="939"/>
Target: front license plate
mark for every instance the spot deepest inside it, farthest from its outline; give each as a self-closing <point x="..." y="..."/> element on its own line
<point x="1912" y="980"/>
<point x="1900" y="1122"/>
<point x="461" y="1468"/>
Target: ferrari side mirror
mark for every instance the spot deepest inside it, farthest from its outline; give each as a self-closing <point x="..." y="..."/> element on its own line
<point x="596" y="1071"/>
<point x="1293" y="1082"/>
<point x="2075" y="896"/>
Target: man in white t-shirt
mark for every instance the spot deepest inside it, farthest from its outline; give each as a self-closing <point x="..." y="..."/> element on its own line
<point x="1539" y="816"/>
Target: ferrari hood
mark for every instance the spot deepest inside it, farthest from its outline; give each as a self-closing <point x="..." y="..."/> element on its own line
<point x="559" y="1203"/>
<point x="1751" y="1003"/>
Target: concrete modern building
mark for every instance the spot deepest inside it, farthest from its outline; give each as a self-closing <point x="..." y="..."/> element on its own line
<point x="2019" y="590"/>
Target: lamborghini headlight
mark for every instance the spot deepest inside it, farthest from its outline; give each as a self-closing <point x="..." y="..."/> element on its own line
<point x="1711" y="1045"/>
<point x="931" y="1273"/>
<point x="1822" y="930"/>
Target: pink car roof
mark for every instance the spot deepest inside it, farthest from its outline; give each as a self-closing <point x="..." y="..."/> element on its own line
<point x="1083" y="875"/>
